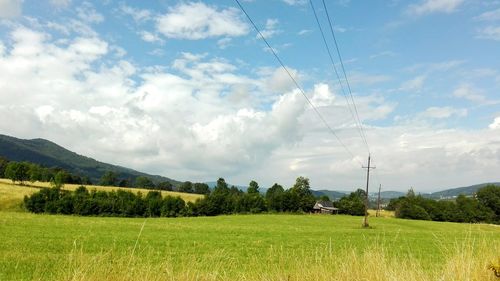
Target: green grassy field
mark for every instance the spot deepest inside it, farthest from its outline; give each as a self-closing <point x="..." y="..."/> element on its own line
<point x="239" y="247"/>
<point x="250" y="247"/>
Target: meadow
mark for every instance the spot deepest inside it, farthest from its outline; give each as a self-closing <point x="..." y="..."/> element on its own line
<point x="241" y="247"/>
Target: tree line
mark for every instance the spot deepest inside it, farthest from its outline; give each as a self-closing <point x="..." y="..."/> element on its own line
<point x="484" y="206"/>
<point x="222" y="200"/>
<point x="23" y="172"/>
<point x="26" y="171"/>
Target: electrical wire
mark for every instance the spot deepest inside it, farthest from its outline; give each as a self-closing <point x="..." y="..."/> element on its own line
<point x="345" y="75"/>
<point x="335" y="70"/>
<point x="271" y="49"/>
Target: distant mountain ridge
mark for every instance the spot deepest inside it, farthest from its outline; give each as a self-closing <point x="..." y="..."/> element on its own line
<point x="49" y="154"/>
<point x="453" y="192"/>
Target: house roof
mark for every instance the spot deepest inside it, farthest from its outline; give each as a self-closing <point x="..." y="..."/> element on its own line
<point x="325" y="203"/>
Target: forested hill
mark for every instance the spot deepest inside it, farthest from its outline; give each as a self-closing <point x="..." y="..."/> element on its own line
<point x="49" y="154"/>
<point x="466" y="190"/>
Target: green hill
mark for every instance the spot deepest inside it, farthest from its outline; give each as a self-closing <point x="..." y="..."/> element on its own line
<point x="466" y="190"/>
<point x="49" y="154"/>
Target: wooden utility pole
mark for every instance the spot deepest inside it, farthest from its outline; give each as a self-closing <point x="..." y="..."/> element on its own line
<point x="365" y="221"/>
<point x="378" y="200"/>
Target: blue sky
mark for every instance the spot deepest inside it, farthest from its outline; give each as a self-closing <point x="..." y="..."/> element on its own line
<point x="188" y="90"/>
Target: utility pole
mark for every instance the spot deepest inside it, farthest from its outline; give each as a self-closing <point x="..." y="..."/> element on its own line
<point x="365" y="221"/>
<point x="378" y="200"/>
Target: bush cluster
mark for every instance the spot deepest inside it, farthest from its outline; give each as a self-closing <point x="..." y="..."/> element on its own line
<point x="223" y="200"/>
<point x="101" y="203"/>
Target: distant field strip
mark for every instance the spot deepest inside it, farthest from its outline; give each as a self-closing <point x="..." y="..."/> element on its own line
<point x="242" y="247"/>
<point x="11" y="196"/>
<point x="10" y="190"/>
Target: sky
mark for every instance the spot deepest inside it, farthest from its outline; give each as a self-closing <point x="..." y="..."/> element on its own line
<point x="189" y="90"/>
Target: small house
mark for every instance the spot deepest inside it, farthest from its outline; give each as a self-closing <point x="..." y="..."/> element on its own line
<point x="325" y="207"/>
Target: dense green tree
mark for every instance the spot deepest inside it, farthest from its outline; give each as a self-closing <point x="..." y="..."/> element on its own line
<point x="165" y="185"/>
<point x="274" y="198"/>
<point x="201" y="188"/>
<point x="17" y="171"/>
<point x="407" y="210"/>
<point x="60" y="178"/>
<point x="302" y="190"/>
<point x="252" y="203"/>
<point x="219" y="201"/>
<point x="172" y="206"/>
<point x="35" y="172"/>
<point x="291" y="201"/>
<point x="3" y="165"/>
<point x="154" y="203"/>
<point x="394" y="203"/>
<point x="186" y="187"/>
<point x="324" y="198"/>
<point x="109" y="179"/>
<point x="46" y="175"/>
<point x="353" y="204"/>
<point x="221" y="184"/>
<point x="144" y="182"/>
<point x="489" y="197"/>
<point x="86" y="181"/>
<point x="253" y="187"/>
<point x="124" y="183"/>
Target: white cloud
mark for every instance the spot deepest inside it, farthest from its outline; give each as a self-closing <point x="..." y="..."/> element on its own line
<point x="344" y="3"/>
<point x="434" y="6"/>
<point x="270" y="29"/>
<point x="58" y="27"/>
<point x="304" y="32"/>
<point x="383" y="54"/>
<point x="489" y="32"/>
<point x="466" y="91"/>
<point x="495" y="124"/>
<point x="157" y="52"/>
<point x="414" y="85"/>
<point x="139" y="15"/>
<point x="60" y="3"/>
<point x="489" y="16"/>
<point x="43" y="112"/>
<point x="168" y="118"/>
<point x="224" y="42"/>
<point x="436" y="67"/>
<point x="195" y="21"/>
<point x="367" y="79"/>
<point x="322" y="95"/>
<point x="443" y="112"/>
<point x="339" y="29"/>
<point x="150" y="37"/>
<point x="295" y="2"/>
<point x="279" y="81"/>
<point x="200" y="118"/>
<point x="10" y="8"/>
<point x="87" y="13"/>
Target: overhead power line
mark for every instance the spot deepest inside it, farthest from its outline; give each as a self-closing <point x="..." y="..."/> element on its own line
<point x="271" y="49"/>
<point x="337" y="73"/>
<point x="345" y="75"/>
<point x="356" y="114"/>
